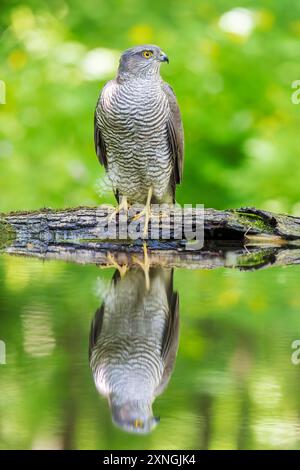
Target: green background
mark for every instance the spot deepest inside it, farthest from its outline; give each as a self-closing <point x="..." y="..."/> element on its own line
<point x="234" y="385"/>
<point x="232" y="75"/>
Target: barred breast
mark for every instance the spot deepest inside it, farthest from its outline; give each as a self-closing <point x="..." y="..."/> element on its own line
<point x="132" y="116"/>
<point x="127" y="367"/>
<point x="127" y="360"/>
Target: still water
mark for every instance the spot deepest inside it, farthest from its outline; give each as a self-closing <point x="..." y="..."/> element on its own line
<point x="201" y="359"/>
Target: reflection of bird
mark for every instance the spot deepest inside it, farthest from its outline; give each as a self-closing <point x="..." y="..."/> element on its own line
<point x="138" y="131"/>
<point x="133" y="345"/>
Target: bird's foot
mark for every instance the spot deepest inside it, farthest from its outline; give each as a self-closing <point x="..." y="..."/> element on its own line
<point x="111" y="262"/>
<point x="145" y="212"/>
<point x="122" y="206"/>
<point x="145" y="265"/>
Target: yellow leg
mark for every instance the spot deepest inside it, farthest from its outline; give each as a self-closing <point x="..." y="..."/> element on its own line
<point x="145" y="265"/>
<point x="122" y="206"/>
<point x="112" y="262"/>
<point x="146" y="212"/>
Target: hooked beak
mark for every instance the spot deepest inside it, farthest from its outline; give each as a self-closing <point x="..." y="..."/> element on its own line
<point x="164" y="58"/>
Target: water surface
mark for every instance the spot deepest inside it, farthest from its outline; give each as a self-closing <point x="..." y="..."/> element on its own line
<point x="233" y="384"/>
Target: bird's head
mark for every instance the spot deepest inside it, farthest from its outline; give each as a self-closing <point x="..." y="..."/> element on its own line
<point x="141" y="61"/>
<point x="134" y="417"/>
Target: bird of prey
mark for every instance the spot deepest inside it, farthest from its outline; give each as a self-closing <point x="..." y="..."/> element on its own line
<point x="133" y="345"/>
<point x="138" y="132"/>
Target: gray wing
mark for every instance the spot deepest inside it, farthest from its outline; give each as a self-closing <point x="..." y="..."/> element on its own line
<point x="170" y="338"/>
<point x="96" y="328"/>
<point x="99" y="142"/>
<point x="175" y="132"/>
<point x="100" y="146"/>
<point x="98" y="137"/>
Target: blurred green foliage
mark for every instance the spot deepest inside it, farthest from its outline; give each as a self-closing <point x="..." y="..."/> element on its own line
<point x="232" y="65"/>
<point x="233" y="386"/>
<point x="231" y="69"/>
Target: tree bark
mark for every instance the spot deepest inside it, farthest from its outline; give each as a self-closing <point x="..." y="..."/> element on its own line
<point x="247" y="237"/>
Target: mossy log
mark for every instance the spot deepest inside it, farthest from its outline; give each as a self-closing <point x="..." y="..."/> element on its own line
<point x="246" y="237"/>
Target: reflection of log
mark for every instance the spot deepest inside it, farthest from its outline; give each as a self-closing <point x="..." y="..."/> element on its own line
<point x="207" y="258"/>
<point x="75" y="235"/>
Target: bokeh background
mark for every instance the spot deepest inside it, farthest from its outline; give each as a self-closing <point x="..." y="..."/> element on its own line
<point x="234" y="385"/>
<point x="232" y="65"/>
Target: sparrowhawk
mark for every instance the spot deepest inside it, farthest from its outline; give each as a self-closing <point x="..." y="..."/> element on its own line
<point x="138" y="131"/>
<point x="133" y="345"/>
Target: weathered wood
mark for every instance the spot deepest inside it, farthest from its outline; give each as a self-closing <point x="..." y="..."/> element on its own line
<point x="86" y="222"/>
<point x="247" y="238"/>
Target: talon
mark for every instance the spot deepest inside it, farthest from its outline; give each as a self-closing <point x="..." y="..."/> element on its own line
<point x="122" y="206"/>
<point x="146" y="212"/>
<point x="112" y="262"/>
<point x="139" y="215"/>
<point x="145" y="265"/>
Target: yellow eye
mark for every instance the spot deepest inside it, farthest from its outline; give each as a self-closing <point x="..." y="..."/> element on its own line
<point x="138" y="423"/>
<point x="147" y="54"/>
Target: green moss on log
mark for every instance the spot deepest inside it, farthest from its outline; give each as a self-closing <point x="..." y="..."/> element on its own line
<point x="254" y="221"/>
<point x="252" y="260"/>
<point x="7" y="234"/>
